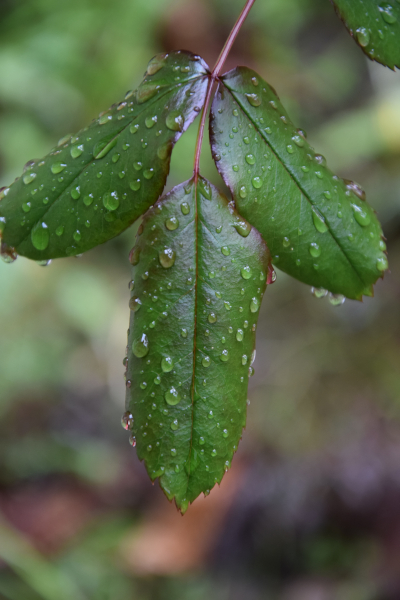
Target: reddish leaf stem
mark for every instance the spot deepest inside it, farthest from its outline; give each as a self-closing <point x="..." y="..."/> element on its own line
<point x="216" y="72"/>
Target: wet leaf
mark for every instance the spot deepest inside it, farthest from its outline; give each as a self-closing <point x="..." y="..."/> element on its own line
<point x="199" y="275"/>
<point x="375" y="26"/>
<point x="95" y="184"/>
<point x="318" y="227"/>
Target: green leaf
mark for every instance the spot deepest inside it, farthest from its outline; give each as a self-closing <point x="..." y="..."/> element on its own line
<point x="95" y="184"/>
<point x="375" y="26"/>
<point x="317" y="226"/>
<point x="199" y="275"/>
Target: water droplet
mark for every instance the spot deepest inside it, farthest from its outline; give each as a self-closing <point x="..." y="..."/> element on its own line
<point x="174" y="425"/>
<point x="319" y="221"/>
<point x="156" y="64"/>
<point x="250" y="159"/>
<point x="60" y="230"/>
<point x="336" y="299"/>
<point x="382" y="264"/>
<point x="251" y="373"/>
<point x="185" y="208"/>
<point x="26" y="207"/>
<point x="257" y="182"/>
<point x="76" y="192"/>
<point x="363" y="36"/>
<point x="227" y="305"/>
<point x="133" y="129"/>
<point x="243" y="191"/>
<point x="243" y="228"/>
<point x="246" y="272"/>
<point x="253" y="99"/>
<point x="172" y="396"/>
<point x="172" y="223"/>
<point x="40" y="236"/>
<point x="286" y="242"/>
<point x="321" y="160"/>
<point x="206" y="361"/>
<point x="235" y="168"/>
<point x="140" y="346"/>
<point x="212" y="317"/>
<point x="135" y="185"/>
<point x="87" y="200"/>
<point x="175" y="121"/>
<point x="150" y="121"/>
<point x="361" y="216"/>
<point x="184" y="333"/>
<point x="135" y="303"/>
<point x="76" y="151"/>
<point x="319" y="292"/>
<point x="254" y="305"/>
<point x="57" y="168"/>
<point x="132" y="441"/>
<point x="28" y="178"/>
<point x="77" y="236"/>
<point x="148" y="173"/>
<point x="290" y="148"/>
<point x="246" y="139"/>
<point x="386" y="11"/>
<point x="111" y="201"/>
<point x="354" y="187"/>
<point x="314" y="250"/>
<point x="225" y="250"/>
<point x="298" y="140"/>
<point x="167" y="364"/>
<point x="382" y="245"/>
<point x="167" y="258"/>
<point x="239" y="335"/>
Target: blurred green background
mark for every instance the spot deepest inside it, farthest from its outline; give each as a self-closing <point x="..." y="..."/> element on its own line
<point x="311" y="507"/>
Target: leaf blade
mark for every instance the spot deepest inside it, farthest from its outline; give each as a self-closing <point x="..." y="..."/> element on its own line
<point x="197" y="331"/>
<point x="310" y="220"/>
<point x="375" y="26"/>
<point x="99" y="182"/>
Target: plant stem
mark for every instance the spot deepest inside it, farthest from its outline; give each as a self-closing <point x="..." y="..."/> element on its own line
<point x="216" y="72"/>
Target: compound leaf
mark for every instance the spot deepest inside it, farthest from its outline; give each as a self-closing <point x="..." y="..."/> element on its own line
<point x="318" y="227"/>
<point x="199" y="274"/>
<point x="95" y="184"/>
<point x="375" y="26"/>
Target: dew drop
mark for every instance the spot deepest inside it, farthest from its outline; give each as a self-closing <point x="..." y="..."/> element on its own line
<point x="174" y="425"/>
<point x="76" y="192"/>
<point x="140" y="346"/>
<point x="150" y="121"/>
<point x="175" y="121"/>
<point x="40" y="236"/>
<point x="134" y="128"/>
<point x="319" y="292"/>
<point x="135" y="185"/>
<point x="246" y="272"/>
<point x="28" y="178"/>
<point x="185" y="208"/>
<point x="172" y="396"/>
<point x="361" y="216"/>
<point x="254" y="305"/>
<point x="135" y="303"/>
<point x="227" y="305"/>
<point x="336" y="299"/>
<point x="206" y="361"/>
<point x="167" y="364"/>
<point x="321" y="160"/>
<point x="172" y="223"/>
<point x="257" y="182"/>
<point x="224" y="356"/>
<point x="239" y="335"/>
<point x="386" y="11"/>
<point x="243" y="228"/>
<point x="88" y="200"/>
<point x="167" y="258"/>
<point x="286" y="242"/>
<point x="184" y="333"/>
<point x="225" y="250"/>
<point x="363" y="36"/>
<point x="314" y="250"/>
<point x="212" y="317"/>
<point x="382" y="264"/>
<point x="57" y="168"/>
<point x="319" y="221"/>
<point x="298" y="140"/>
<point x="253" y="99"/>
<point x="60" y="230"/>
<point x="243" y="191"/>
<point x="111" y="201"/>
<point x="76" y="151"/>
<point x="250" y="159"/>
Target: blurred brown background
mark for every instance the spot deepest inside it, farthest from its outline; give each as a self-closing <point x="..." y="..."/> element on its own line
<point x="311" y="507"/>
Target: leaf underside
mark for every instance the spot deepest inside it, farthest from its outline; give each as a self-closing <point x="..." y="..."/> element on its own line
<point x="317" y="229"/>
<point x="97" y="183"/>
<point x="375" y="26"/>
<point x="200" y="273"/>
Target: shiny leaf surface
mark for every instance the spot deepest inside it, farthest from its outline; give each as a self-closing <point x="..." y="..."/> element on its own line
<point x="375" y="26"/>
<point x="318" y="227"/>
<point x="199" y="275"/>
<point x="95" y="184"/>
